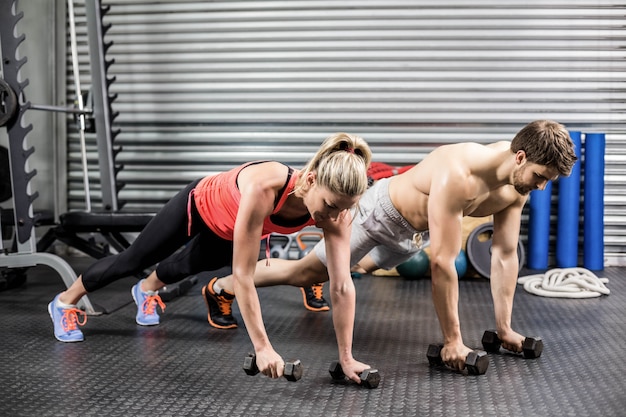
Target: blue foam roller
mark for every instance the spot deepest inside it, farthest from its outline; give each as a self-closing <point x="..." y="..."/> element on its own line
<point x="539" y="228"/>
<point x="569" y="213"/>
<point x="593" y="223"/>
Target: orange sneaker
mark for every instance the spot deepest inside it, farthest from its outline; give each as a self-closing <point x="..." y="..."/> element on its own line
<point x="220" y="307"/>
<point x="314" y="299"/>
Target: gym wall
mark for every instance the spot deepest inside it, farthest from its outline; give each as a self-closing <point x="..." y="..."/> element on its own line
<point x="204" y="86"/>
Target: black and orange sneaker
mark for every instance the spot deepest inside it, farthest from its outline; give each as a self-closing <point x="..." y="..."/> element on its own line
<point x="220" y="307"/>
<point x="314" y="299"/>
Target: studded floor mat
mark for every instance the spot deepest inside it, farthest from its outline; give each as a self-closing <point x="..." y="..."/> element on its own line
<point x="183" y="367"/>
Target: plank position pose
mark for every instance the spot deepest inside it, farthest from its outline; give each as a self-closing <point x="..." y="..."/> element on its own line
<point x="220" y="220"/>
<point x="398" y="215"/>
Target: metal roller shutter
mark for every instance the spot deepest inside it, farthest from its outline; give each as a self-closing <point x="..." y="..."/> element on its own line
<point x="205" y="85"/>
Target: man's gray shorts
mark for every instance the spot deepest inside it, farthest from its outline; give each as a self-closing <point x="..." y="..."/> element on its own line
<point x="380" y="231"/>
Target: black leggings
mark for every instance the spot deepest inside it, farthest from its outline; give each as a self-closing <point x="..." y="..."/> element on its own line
<point x="159" y="242"/>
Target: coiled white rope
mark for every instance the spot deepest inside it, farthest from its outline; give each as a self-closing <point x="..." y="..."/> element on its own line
<point x="565" y="283"/>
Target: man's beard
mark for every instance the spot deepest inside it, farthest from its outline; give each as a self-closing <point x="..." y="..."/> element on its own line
<point x="518" y="184"/>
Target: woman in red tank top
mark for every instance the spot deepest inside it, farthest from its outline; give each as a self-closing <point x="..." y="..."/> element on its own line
<point x="220" y="220"/>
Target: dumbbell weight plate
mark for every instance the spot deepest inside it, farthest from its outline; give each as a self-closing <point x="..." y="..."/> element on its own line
<point x="293" y="370"/>
<point x="8" y="102"/>
<point x="532" y="347"/>
<point x="370" y="378"/>
<point x="249" y="365"/>
<point x="478" y="249"/>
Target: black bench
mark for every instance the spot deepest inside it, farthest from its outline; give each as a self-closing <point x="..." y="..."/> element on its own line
<point x="111" y="226"/>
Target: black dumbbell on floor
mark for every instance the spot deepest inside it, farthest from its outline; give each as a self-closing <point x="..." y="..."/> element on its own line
<point x="370" y="378"/>
<point x="531" y="347"/>
<point x="293" y="370"/>
<point x="476" y="361"/>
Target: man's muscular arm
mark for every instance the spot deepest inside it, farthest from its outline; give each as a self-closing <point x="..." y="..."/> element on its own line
<point x="504" y="273"/>
<point x="445" y="215"/>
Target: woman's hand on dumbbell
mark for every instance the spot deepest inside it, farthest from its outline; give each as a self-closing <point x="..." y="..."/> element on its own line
<point x="292" y="370"/>
<point x="270" y="363"/>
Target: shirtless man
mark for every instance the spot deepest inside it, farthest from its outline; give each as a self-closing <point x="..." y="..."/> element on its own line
<point x="398" y="215"/>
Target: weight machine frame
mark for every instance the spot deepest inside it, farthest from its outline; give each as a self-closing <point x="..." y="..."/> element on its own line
<point x="110" y="223"/>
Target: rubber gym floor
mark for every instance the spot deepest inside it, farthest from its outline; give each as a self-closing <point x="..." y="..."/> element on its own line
<point x="184" y="367"/>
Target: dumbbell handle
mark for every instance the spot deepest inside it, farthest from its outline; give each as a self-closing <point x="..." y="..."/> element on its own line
<point x="293" y="370"/>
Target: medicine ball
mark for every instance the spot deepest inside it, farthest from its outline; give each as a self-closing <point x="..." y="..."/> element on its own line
<point x="415" y="267"/>
<point x="460" y="263"/>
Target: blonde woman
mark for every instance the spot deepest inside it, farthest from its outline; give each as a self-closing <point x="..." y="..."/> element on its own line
<point x="220" y="220"/>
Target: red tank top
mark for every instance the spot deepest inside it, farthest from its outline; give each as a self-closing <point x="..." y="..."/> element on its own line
<point x="217" y="201"/>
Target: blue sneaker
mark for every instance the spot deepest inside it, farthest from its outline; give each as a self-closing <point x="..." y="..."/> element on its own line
<point x="146" y="305"/>
<point x="65" y="321"/>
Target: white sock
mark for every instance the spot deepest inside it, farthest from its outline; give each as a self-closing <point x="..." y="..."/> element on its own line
<point x="63" y="305"/>
<point x="146" y="292"/>
<point x="217" y="287"/>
